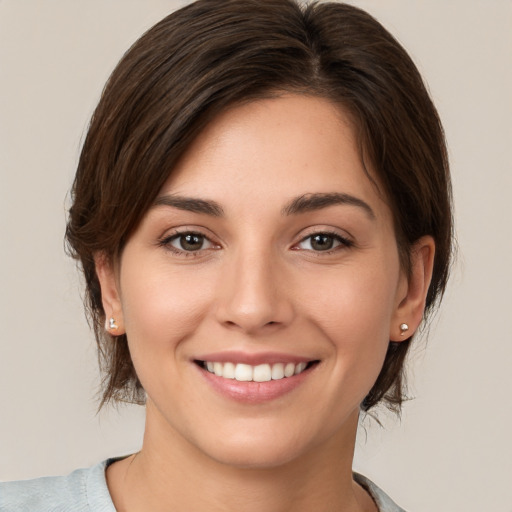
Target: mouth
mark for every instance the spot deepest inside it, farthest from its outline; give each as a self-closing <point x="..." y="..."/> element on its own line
<point x="242" y="372"/>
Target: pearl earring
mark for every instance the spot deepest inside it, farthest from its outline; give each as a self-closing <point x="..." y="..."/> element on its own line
<point x="112" y="325"/>
<point x="403" y="329"/>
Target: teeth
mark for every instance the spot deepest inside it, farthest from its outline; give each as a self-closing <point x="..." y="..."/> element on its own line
<point x="217" y="369"/>
<point x="228" y="371"/>
<point x="300" y="368"/>
<point x="259" y="373"/>
<point x="278" y="371"/>
<point x="243" y="372"/>
<point x="289" y="369"/>
<point x="262" y="373"/>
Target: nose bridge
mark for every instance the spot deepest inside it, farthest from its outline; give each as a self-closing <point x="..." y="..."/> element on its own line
<point x="253" y="297"/>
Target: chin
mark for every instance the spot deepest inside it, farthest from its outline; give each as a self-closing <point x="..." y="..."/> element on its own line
<point x="255" y="455"/>
<point x="260" y="447"/>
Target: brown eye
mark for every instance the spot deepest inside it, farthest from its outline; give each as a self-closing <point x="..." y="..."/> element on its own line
<point x="322" y="242"/>
<point x="190" y="242"/>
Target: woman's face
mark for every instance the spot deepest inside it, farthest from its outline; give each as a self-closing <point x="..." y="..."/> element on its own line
<point x="268" y="252"/>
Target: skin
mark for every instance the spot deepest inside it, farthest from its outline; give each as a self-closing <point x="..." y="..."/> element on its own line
<point x="258" y="284"/>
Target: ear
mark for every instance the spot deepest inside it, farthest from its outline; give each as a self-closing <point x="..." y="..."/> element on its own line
<point x="412" y="293"/>
<point x="110" y="296"/>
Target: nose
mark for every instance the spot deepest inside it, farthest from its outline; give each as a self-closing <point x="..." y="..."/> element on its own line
<point x="254" y="296"/>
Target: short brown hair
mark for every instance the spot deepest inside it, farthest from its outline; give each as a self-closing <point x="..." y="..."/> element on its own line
<point x="213" y="54"/>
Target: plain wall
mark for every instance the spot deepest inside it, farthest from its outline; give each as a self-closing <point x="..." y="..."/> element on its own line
<point x="452" y="451"/>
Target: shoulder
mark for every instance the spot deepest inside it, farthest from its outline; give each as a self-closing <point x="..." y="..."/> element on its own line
<point x="382" y="500"/>
<point x="84" y="490"/>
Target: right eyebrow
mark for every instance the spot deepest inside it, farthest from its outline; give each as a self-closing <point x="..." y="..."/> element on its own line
<point x="190" y="204"/>
<point x="317" y="201"/>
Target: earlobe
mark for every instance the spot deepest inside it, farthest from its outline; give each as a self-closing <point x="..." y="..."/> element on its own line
<point x="409" y="312"/>
<point x="110" y="296"/>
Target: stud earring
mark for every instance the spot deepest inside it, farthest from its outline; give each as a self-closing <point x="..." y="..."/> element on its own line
<point x="112" y="326"/>
<point x="403" y="329"/>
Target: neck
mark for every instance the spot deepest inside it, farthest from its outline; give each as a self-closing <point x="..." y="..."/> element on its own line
<point x="169" y="473"/>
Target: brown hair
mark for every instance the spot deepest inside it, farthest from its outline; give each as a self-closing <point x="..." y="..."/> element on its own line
<point x="213" y="54"/>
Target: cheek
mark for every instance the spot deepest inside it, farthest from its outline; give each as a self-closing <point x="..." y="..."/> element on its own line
<point x="353" y="311"/>
<point x="161" y="306"/>
<point x="352" y="301"/>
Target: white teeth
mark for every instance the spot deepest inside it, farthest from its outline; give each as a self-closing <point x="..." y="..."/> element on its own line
<point x="262" y="373"/>
<point x="277" y="371"/>
<point x="259" y="373"/>
<point x="289" y="369"/>
<point x="243" y="372"/>
<point x="217" y="369"/>
<point x="300" y="368"/>
<point x="228" y="371"/>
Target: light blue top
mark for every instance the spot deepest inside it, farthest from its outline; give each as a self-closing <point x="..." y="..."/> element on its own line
<point x="85" y="490"/>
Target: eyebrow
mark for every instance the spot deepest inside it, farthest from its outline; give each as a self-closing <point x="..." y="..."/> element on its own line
<point x="191" y="204"/>
<point x="311" y="202"/>
<point x="298" y="205"/>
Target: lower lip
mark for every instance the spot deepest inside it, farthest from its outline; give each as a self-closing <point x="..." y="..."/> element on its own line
<point x="255" y="392"/>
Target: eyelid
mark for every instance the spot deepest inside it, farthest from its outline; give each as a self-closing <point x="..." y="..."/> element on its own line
<point x="186" y="229"/>
<point x="173" y="234"/>
<point x="345" y="241"/>
<point x="177" y="236"/>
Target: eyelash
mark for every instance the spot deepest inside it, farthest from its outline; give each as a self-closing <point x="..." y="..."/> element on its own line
<point x="344" y="243"/>
<point x="166" y="242"/>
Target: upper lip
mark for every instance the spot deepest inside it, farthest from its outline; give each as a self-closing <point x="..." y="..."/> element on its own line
<point x="253" y="359"/>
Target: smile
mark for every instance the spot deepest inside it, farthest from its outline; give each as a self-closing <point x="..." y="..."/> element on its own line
<point x="255" y="378"/>
<point x="259" y="373"/>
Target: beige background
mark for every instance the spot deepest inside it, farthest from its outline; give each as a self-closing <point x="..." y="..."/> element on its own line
<point x="453" y="449"/>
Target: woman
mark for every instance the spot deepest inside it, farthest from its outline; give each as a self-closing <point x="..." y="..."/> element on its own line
<point x="262" y="214"/>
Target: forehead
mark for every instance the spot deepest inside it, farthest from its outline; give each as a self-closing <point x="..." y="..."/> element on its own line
<point x="278" y="149"/>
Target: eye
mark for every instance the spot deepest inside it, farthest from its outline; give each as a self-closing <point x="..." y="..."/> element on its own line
<point x="323" y="242"/>
<point x="188" y="242"/>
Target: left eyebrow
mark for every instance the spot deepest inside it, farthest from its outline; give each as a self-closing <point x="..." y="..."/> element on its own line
<point x="310" y="202"/>
<point x="190" y="204"/>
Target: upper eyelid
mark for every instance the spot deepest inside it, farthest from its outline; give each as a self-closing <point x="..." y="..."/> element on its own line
<point x="342" y="239"/>
<point x="345" y="240"/>
<point x="173" y="236"/>
<point x="343" y="236"/>
<point x="325" y="230"/>
<point x="166" y="242"/>
<point x="183" y="230"/>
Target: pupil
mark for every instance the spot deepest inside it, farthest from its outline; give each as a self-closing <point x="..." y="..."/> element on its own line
<point x="191" y="242"/>
<point x="322" y="242"/>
